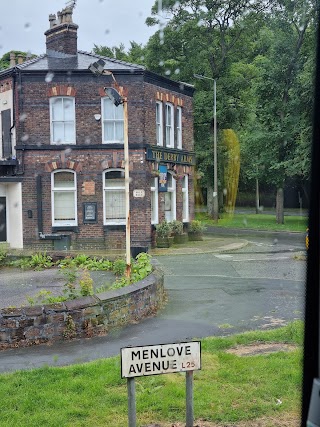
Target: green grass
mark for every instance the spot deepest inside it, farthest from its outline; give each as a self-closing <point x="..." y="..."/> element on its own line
<point x="256" y="222"/>
<point x="228" y="389"/>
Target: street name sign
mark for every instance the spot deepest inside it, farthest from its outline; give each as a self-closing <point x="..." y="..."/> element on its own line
<point x="160" y="359"/>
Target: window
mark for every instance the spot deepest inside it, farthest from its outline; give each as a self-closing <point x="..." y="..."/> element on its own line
<point x="159" y="123"/>
<point x="154" y="201"/>
<point x="170" y="199"/>
<point x="114" y="203"/>
<point x="169" y="125"/>
<point x="62" y="120"/>
<point x="185" y="199"/>
<point x="179" y="128"/>
<point x="112" y="122"/>
<point x="64" y="203"/>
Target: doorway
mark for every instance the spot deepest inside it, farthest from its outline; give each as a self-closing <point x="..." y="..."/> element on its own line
<point x="3" y="219"/>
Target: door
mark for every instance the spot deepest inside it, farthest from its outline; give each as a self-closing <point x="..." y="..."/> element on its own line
<point x="3" y="220"/>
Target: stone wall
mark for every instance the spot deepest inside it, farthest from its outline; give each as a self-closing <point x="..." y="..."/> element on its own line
<point x="82" y="317"/>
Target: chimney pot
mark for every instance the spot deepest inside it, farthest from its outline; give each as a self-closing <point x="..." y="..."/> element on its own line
<point x="52" y="20"/>
<point x="12" y="59"/>
<point x="20" y="58"/>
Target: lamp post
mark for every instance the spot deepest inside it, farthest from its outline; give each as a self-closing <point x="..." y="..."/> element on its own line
<point x="117" y="100"/>
<point x="215" y="157"/>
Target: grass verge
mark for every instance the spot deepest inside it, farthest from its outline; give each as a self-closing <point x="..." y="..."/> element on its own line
<point x="228" y="389"/>
<point x="256" y="222"/>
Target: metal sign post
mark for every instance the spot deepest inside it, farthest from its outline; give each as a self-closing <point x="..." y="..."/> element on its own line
<point x="156" y="360"/>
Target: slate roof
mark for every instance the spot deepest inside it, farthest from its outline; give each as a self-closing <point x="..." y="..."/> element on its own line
<point x="61" y="61"/>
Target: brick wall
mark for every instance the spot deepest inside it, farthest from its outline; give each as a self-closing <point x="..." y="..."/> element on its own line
<point x="82" y="317"/>
<point x="88" y="160"/>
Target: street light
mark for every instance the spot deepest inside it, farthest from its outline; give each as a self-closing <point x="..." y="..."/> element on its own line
<point x="117" y="100"/>
<point x="215" y="157"/>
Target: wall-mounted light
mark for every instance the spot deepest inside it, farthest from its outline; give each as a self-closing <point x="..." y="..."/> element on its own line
<point x="97" y="117"/>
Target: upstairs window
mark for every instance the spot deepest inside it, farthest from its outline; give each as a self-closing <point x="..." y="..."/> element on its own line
<point x="62" y="120"/>
<point x="179" y="128"/>
<point x="159" y="123"/>
<point x="169" y="125"/>
<point x="114" y="201"/>
<point x="64" y="198"/>
<point x="112" y="122"/>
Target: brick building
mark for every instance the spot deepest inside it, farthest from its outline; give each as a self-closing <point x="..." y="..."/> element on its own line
<point x="62" y="148"/>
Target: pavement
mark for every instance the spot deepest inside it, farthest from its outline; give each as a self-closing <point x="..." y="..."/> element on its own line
<point x="192" y="268"/>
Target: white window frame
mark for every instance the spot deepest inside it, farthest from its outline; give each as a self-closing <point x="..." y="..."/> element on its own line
<point x="169" y="126"/>
<point x="172" y="191"/>
<point x="72" y="190"/>
<point x="185" y="199"/>
<point x="159" y="123"/>
<point x="113" y="120"/>
<point x="52" y="121"/>
<point x="105" y="189"/>
<point x="179" y="128"/>
<point x="155" y="200"/>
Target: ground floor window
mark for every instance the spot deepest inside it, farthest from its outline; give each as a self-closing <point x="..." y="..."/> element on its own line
<point x="64" y="195"/>
<point x="114" y="203"/>
<point x="154" y="201"/>
<point x="185" y="199"/>
<point x="170" y="199"/>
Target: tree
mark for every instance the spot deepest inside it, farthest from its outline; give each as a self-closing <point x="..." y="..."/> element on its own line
<point x="207" y="35"/>
<point x="279" y="115"/>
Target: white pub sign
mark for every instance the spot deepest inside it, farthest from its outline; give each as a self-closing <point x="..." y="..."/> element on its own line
<point x="160" y="359"/>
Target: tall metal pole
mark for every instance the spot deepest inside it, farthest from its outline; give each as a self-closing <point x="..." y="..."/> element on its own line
<point x="127" y="185"/>
<point x="215" y="156"/>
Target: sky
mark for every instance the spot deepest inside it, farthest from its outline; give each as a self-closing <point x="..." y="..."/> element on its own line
<point x="101" y="22"/>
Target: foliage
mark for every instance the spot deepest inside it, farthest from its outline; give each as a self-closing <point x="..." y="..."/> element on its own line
<point x="85" y="261"/>
<point x="38" y="261"/>
<point x="86" y="284"/>
<point x="164" y="229"/>
<point x="5" y="59"/>
<point x="176" y="227"/>
<point x="3" y="256"/>
<point x="141" y="267"/>
<point x="119" y="267"/>
<point x="196" y="226"/>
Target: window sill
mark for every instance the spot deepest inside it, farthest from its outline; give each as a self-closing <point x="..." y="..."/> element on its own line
<point x="114" y="227"/>
<point x="73" y="228"/>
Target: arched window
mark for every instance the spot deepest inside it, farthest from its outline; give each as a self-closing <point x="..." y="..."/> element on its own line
<point x="114" y="203"/>
<point x="64" y="198"/>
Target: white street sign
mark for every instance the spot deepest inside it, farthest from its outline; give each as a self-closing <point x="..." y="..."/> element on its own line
<point x="138" y="193"/>
<point x="160" y="359"/>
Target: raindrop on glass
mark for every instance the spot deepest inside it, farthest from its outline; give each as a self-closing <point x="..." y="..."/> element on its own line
<point x="167" y="72"/>
<point x="49" y="77"/>
<point x="161" y="63"/>
<point x="22" y="117"/>
<point x="27" y="26"/>
<point x="107" y="31"/>
<point x="177" y="71"/>
<point x="25" y="137"/>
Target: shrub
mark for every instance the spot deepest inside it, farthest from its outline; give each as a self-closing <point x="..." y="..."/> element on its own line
<point x="177" y="227"/>
<point x="86" y="284"/>
<point x="164" y="229"/>
<point x="196" y="226"/>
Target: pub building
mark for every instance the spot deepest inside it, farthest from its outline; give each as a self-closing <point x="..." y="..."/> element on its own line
<point x="62" y="137"/>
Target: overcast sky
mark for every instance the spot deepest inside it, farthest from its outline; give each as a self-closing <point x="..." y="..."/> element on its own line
<point x="101" y="22"/>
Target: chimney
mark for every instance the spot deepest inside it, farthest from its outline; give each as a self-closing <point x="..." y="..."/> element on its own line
<point x="62" y="34"/>
<point x="12" y="59"/>
<point x="20" y="58"/>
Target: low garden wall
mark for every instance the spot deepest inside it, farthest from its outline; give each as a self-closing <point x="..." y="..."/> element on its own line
<point x="82" y="317"/>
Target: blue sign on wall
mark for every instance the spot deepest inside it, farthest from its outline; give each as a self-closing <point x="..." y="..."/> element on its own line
<point x="163" y="178"/>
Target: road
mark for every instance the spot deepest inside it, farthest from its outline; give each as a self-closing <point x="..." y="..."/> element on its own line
<point x="260" y="286"/>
